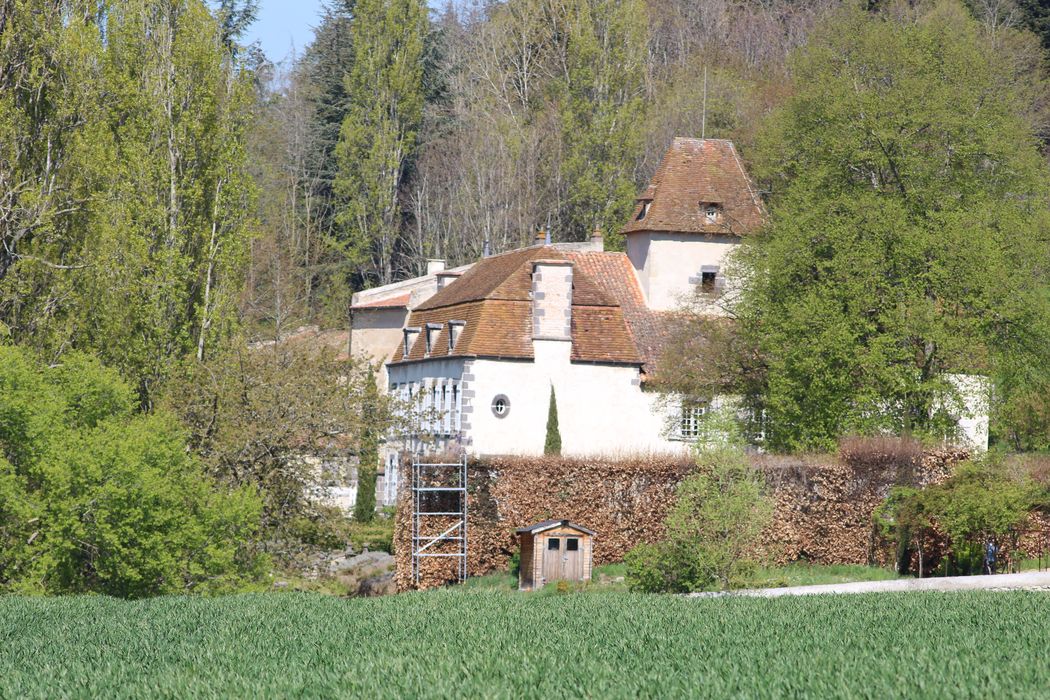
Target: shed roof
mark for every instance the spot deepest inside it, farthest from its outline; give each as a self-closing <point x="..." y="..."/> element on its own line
<point x="551" y="524"/>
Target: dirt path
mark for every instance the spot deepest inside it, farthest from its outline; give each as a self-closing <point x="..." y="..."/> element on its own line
<point x="1032" y="581"/>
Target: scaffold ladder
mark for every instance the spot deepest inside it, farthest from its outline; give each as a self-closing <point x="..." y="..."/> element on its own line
<point x="439" y="490"/>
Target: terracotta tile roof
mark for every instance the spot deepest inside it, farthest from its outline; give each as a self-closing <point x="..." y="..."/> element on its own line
<point x="696" y="172"/>
<point x="493" y="298"/>
<point x="509" y="278"/>
<point x="399" y="302"/>
<point x="614" y="274"/>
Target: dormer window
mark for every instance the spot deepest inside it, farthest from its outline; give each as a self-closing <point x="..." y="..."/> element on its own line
<point x="644" y="211"/>
<point x="409" y="338"/>
<point x="454" y="329"/>
<point x="712" y="212"/>
<point x="432" y="332"/>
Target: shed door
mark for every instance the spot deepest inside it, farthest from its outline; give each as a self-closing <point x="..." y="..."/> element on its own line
<point x="572" y="558"/>
<point x="552" y="563"/>
<point x="563" y="558"/>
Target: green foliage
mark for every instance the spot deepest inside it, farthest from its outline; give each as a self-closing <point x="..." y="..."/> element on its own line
<point x="982" y="501"/>
<point x="712" y="529"/>
<point x="552" y="442"/>
<point x="486" y="644"/>
<point x="907" y="233"/>
<point x="602" y="105"/>
<point x="384" y="109"/>
<point x="133" y="247"/>
<point x="270" y="418"/>
<point x="368" y="455"/>
<point x="95" y="497"/>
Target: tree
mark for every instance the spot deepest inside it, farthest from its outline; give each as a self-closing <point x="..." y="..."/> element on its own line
<point x="552" y="443"/>
<point x="284" y="418"/>
<point x="907" y="234"/>
<point x="378" y="135"/>
<point x="982" y="501"/>
<point x="602" y="93"/>
<point x="713" y="527"/>
<point x="99" y="498"/>
<point x="149" y="197"/>
<point x="368" y="453"/>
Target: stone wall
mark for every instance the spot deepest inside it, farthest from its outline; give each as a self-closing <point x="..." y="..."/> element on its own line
<point x="823" y="506"/>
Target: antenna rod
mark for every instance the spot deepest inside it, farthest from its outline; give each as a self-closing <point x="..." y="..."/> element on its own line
<point x="703" y="119"/>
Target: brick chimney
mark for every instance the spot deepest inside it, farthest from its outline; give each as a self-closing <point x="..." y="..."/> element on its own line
<point x="552" y="300"/>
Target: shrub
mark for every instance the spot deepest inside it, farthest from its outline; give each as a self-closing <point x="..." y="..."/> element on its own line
<point x="712" y="528"/>
<point x="95" y="497"/>
<point x="982" y="501"/>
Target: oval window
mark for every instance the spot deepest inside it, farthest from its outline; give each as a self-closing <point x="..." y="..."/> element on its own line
<point x="500" y="406"/>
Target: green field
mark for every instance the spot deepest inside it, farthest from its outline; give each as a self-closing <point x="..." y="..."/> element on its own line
<point x="491" y="644"/>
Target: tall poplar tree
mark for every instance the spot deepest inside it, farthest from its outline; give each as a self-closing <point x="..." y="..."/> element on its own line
<point x="384" y="109"/>
<point x="602" y="110"/>
<point x="136" y="167"/>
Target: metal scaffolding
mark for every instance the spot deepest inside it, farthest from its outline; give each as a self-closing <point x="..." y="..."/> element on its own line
<point x="439" y="495"/>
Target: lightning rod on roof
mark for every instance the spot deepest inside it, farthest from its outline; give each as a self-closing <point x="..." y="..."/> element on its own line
<point x="703" y="118"/>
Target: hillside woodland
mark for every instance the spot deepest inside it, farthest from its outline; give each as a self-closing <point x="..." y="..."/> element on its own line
<point x="174" y="207"/>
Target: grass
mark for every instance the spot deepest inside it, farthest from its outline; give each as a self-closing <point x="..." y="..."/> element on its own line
<point x="489" y="644"/>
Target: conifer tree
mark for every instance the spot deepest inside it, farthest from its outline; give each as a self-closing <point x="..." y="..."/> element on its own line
<point x="368" y="455"/>
<point x="552" y="444"/>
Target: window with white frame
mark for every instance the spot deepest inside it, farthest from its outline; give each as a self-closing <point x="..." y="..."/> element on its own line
<point x="690" y="424"/>
<point x="432" y="330"/>
<point x="644" y="211"/>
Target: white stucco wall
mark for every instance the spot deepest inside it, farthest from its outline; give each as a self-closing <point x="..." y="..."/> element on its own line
<point x="665" y="262"/>
<point x="601" y="408"/>
<point x="972" y="415"/>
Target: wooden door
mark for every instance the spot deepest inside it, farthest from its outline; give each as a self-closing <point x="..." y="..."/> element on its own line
<point x="552" y="563"/>
<point x="572" y="558"/>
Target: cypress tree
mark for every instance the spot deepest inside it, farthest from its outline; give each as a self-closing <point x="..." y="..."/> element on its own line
<point x="368" y="457"/>
<point x="552" y="445"/>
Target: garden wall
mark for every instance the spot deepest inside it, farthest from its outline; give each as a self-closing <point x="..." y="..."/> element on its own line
<point x="823" y="506"/>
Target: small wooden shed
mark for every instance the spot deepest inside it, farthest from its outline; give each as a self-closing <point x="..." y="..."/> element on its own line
<point x="554" y="550"/>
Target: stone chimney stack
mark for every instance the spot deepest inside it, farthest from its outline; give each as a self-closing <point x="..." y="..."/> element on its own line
<point x="597" y="240"/>
<point x="435" y="266"/>
<point x="552" y="300"/>
<point x="541" y="237"/>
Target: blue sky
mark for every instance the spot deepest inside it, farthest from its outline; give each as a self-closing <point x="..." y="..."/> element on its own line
<point x="283" y="24"/>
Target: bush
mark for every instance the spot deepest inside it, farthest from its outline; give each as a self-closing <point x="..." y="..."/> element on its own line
<point x="983" y="501"/>
<point x="97" y="498"/>
<point x="712" y="529"/>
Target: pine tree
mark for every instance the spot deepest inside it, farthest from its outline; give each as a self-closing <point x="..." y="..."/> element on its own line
<point x="552" y="445"/>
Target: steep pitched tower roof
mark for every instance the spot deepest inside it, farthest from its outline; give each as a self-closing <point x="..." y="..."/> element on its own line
<point x="700" y="187"/>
